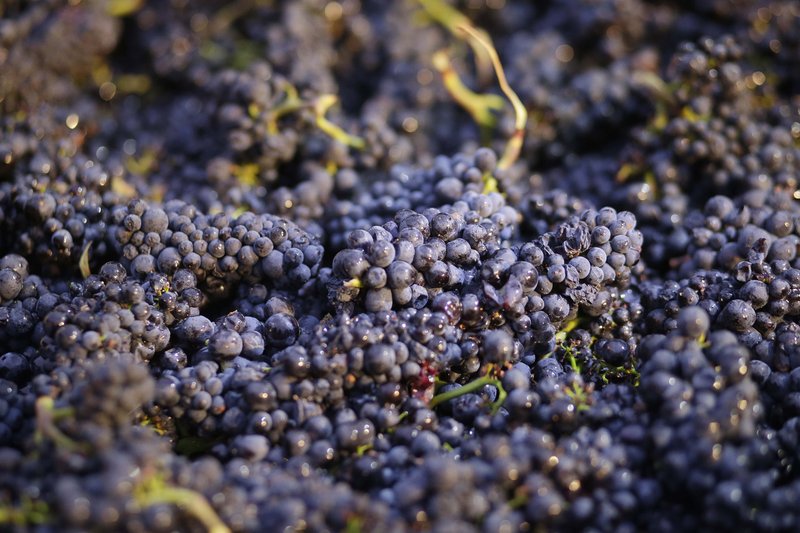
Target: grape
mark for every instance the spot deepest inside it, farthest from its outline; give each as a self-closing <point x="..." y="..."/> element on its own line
<point x="225" y="303"/>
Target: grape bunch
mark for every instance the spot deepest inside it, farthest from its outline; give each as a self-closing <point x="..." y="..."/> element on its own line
<point x="430" y="265"/>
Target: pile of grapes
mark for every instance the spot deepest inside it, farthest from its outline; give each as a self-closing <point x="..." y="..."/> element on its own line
<point x="413" y="265"/>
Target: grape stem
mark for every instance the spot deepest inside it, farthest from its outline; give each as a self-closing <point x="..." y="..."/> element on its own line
<point x="354" y="524"/>
<point x="490" y="183"/>
<point x="453" y="19"/>
<point x="578" y="396"/>
<point x="123" y="8"/>
<point x="364" y="448"/>
<point x="321" y="106"/>
<point x="29" y="512"/>
<point x="193" y="502"/>
<point x="514" y="146"/>
<point x="479" y="106"/>
<point x="83" y="262"/>
<point x="290" y="104"/>
<point x="471" y="387"/>
<point x="520" y="498"/>
<point x="46" y="415"/>
<point x="561" y="336"/>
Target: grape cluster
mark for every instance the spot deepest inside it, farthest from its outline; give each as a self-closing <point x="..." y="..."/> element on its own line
<point x="299" y="266"/>
<point x="450" y="180"/>
<point x="219" y="250"/>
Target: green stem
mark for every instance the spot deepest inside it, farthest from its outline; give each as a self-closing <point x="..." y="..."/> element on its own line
<point x="501" y="397"/>
<point x="354" y="524"/>
<point x="454" y="20"/>
<point x="514" y="145"/>
<point x="479" y="106"/>
<point x="579" y="397"/>
<point x="571" y="325"/>
<point x="561" y="336"/>
<point x="321" y="106"/>
<point x="455" y="393"/>
<point x="490" y="183"/>
<point x="471" y="387"/>
<point x="364" y="448"/>
<point x="60" y="413"/>
<point x="122" y="8"/>
<point x="29" y="512"/>
<point x="573" y="362"/>
<point x="46" y="415"/>
<point x="83" y="261"/>
<point x="519" y="500"/>
<point x="192" y="501"/>
<point x="290" y="104"/>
